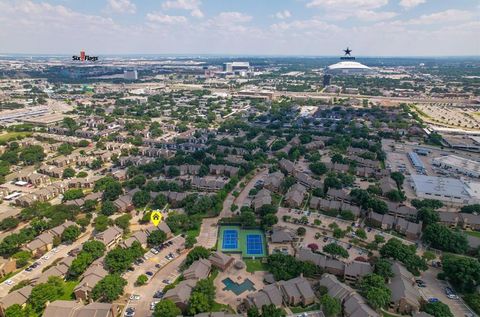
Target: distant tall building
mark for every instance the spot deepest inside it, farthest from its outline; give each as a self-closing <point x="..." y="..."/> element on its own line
<point x="233" y="67"/>
<point x="326" y="79"/>
<point x="130" y="75"/>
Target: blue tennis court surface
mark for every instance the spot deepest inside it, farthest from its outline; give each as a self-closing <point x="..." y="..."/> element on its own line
<point x="254" y="244"/>
<point x="230" y="239"/>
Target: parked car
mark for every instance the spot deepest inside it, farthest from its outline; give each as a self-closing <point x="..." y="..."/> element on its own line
<point x="130" y="312"/>
<point x="153" y="304"/>
<point x="168" y="282"/>
<point x="149" y="273"/>
<point x="154" y="251"/>
<point x="134" y="297"/>
<point x="433" y="300"/>
<point x="158" y="294"/>
<point x="158" y="265"/>
<point x="9" y="282"/>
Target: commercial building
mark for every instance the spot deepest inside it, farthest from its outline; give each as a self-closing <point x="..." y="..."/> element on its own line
<point x="450" y="190"/>
<point x="232" y="67"/>
<point x="416" y="162"/>
<point x="349" y="68"/>
<point x="130" y="75"/>
<point x="458" y="164"/>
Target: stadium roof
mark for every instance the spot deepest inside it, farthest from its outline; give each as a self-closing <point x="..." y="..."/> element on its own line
<point x="348" y="65"/>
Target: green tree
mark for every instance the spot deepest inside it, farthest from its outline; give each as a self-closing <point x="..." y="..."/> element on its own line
<point x="428" y="216"/>
<point x="14" y="310"/>
<point x="441" y="237"/>
<point x="142" y="279"/>
<point x="272" y="311"/>
<point x="160" y="201"/>
<point x="383" y="268"/>
<point x="112" y="190"/>
<point x="108" y="208"/>
<point x="109" y="288"/>
<point x="247" y="219"/>
<point x="285" y="267"/>
<point x="398" y="178"/>
<point x="198" y="303"/>
<point x="22" y="258"/>
<point x="141" y="198"/>
<point x="318" y="168"/>
<point x="196" y="254"/>
<point x="301" y="231"/>
<point x="473" y="300"/>
<point x="463" y="272"/>
<point x="475" y="208"/>
<point x="335" y="250"/>
<point x="166" y="308"/>
<point x="406" y="254"/>
<point x="437" y="309"/>
<point x="101" y="223"/>
<point x="157" y="237"/>
<point x="373" y="288"/>
<point x="190" y="241"/>
<point x="123" y="221"/>
<point x="68" y="173"/>
<point x="70" y="234"/>
<point x="73" y="194"/>
<point x="95" y="248"/>
<point x="32" y="154"/>
<point x="65" y="149"/>
<point x="46" y="292"/>
<point x="331" y="306"/>
<point x="360" y="232"/>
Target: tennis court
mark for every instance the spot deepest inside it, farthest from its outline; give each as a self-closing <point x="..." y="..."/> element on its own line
<point x="230" y="239"/>
<point x="254" y="244"/>
<point x="248" y="242"/>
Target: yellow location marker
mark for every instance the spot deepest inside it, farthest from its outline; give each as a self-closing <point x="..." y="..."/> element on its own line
<point x="156" y="218"/>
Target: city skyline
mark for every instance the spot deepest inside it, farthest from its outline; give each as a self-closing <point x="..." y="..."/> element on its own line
<point x="285" y="27"/>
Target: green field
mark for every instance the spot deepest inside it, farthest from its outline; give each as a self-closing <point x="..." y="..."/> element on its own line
<point x="242" y="241"/>
<point x="473" y="233"/>
<point x="10" y="136"/>
<point x="255" y="265"/>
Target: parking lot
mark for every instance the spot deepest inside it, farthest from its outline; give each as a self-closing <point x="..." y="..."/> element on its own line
<point x="436" y="289"/>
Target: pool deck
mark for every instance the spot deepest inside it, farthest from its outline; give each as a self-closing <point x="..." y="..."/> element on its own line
<point x="228" y="297"/>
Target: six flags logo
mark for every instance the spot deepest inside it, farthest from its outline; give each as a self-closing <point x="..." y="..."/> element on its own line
<point x="84" y="57"/>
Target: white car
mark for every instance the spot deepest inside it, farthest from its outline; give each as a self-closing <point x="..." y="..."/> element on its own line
<point x="134" y="297"/>
<point x="154" y="251"/>
<point x="55" y="250"/>
<point x="452" y="296"/>
<point x="45" y="257"/>
<point x="9" y="282"/>
<point x="153" y="304"/>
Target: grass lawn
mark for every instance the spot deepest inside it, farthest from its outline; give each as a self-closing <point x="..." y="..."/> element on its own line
<point x="68" y="290"/>
<point x="217" y="307"/>
<point x="255" y="265"/>
<point x="473" y="233"/>
<point x="193" y="233"/>
<point x="13" y="136"/>
<point x="300" y="309"/>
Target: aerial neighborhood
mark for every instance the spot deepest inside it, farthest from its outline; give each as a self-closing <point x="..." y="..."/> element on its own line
<point x="278" y="190"/>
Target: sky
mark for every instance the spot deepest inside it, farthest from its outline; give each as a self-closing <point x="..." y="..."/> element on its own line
<point x="241" y="27"/>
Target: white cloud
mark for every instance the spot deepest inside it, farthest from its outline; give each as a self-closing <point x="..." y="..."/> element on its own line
<point x="189" y="5"/>
<point x="232" y="17"/>
<point x="368" y="15"/>
<point x="121" y="6"/>
<point x="447" y="16"/>
<point x="158" y="17"/>
<point x="347" y="5"/>
<point x="408" y="4"/>
<point x="285" y="14"/>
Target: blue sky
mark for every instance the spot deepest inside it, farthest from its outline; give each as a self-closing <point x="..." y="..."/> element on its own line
<point x="254" y="27"/>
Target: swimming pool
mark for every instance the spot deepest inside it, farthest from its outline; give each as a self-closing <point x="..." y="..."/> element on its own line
<point x="236" y="288"/>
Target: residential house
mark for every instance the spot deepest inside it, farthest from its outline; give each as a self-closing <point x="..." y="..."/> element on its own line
<point x="18" y="297"/>
<point x="297" y="291"/>
<point x="295" y="196"/>
<point x="273" y="181"/>
<point x="7" y="266"/>
<point x="356" y="270"/>
<point x="406" y="299"/>
<point x="94" y="273"/>
<point x="387" y="184"/>
<point x="41" y="244"/>
<point x="208" y="184"/>
<point x="110" y="237"/>
<point x="328" y="264"/>
<point x="353" y="304"/>
<point x="139" y="236"/>
<point x="221" y="260"/>
<point x="63" y="308"/>
<point x="198" y="270"/>
<point x="269" y="295"/>
<point x="263" y="197"/>
<point x="181" y="293"/>
<point x="59" y="270"/>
